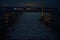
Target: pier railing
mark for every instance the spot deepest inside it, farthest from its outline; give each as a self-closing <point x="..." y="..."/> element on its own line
<point x="10" y="14"/>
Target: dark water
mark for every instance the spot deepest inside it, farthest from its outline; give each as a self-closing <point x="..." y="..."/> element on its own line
<point x="29" y="27"/>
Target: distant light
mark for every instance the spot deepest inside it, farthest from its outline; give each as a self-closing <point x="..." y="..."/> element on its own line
<point x="18" y="9"/>
<point x="14" y="8"/>
<point x="28" y="8"/>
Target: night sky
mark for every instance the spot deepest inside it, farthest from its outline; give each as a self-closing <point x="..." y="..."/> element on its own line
<point x="16" y="3"/>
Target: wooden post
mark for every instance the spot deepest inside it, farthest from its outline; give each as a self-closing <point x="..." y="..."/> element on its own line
<point x="42" y="7"/>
